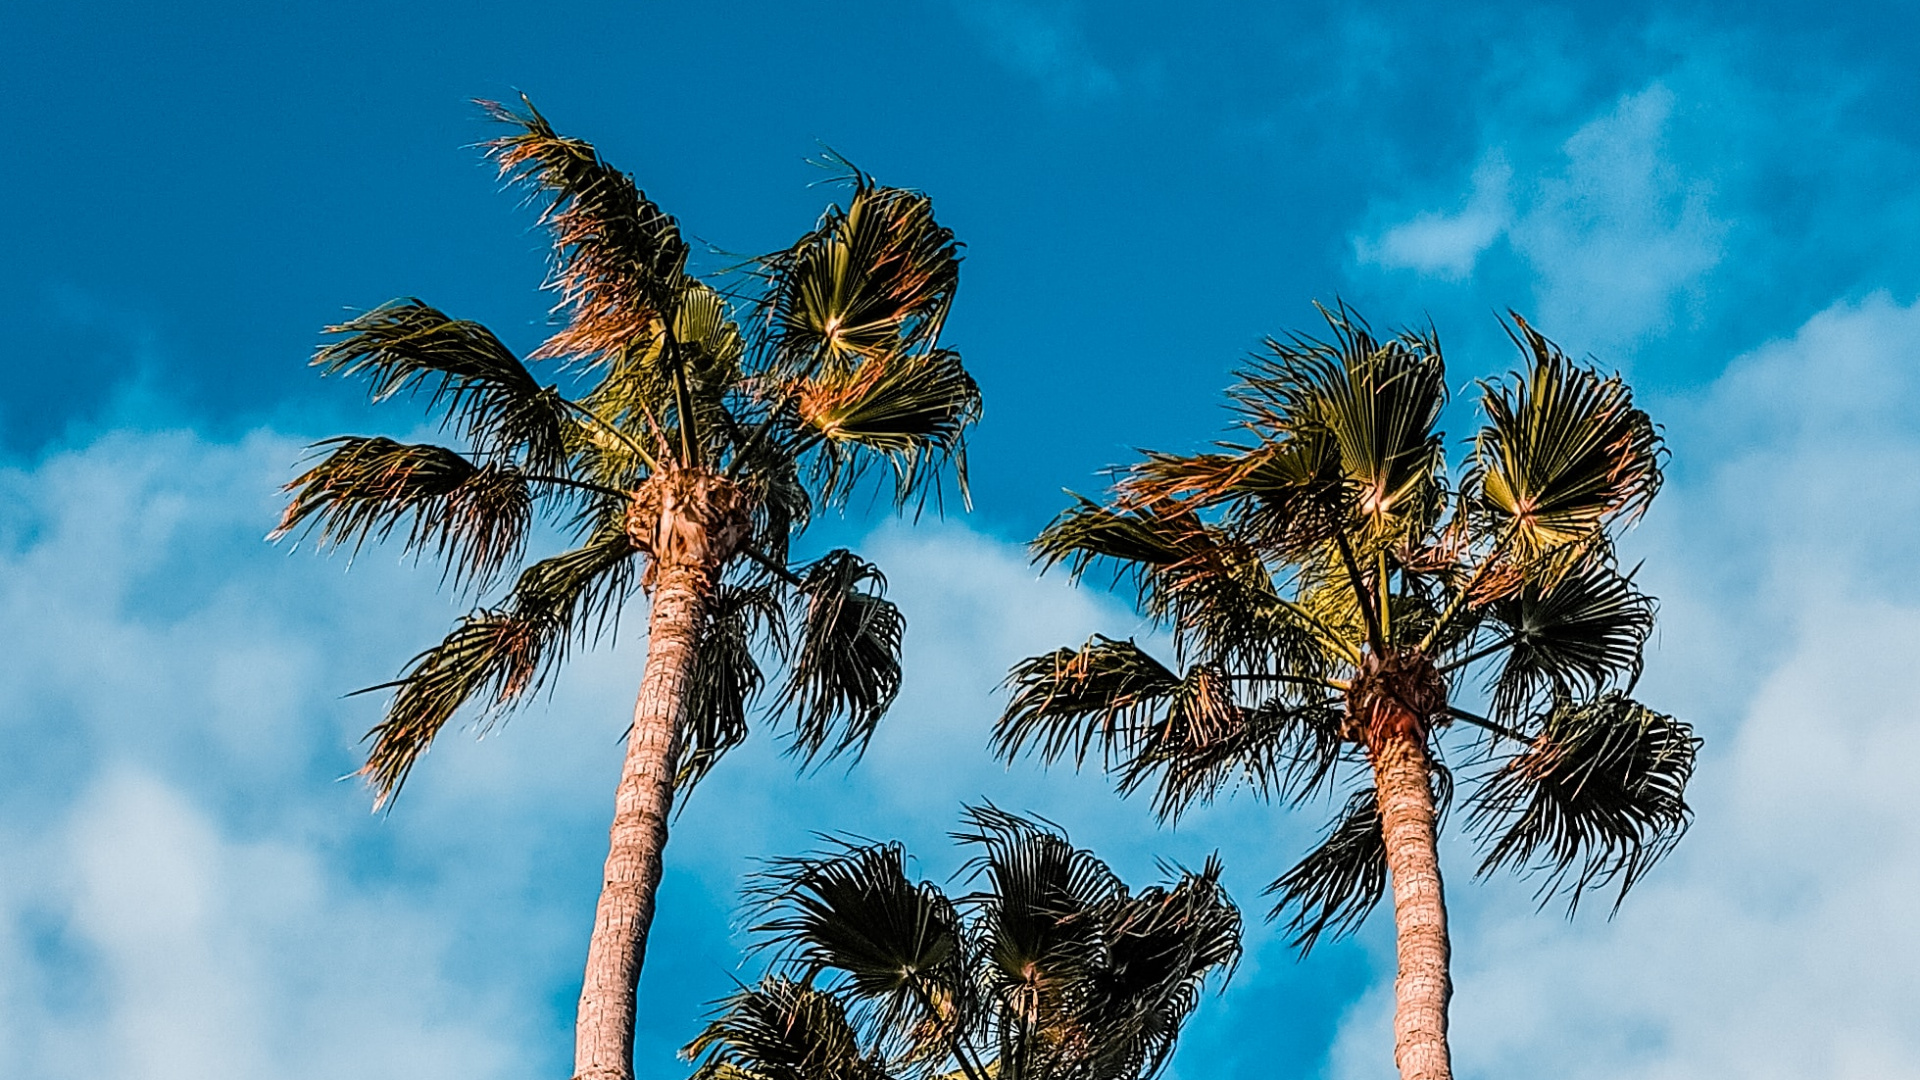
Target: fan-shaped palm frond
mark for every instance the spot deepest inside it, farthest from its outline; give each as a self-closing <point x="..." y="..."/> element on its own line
<point x="782" y="1030"/>
<point x="846" y="670"/>
<point x="1068" y="700"/>
<point x="495" y="657"/>
<point x="1599" y="796"/>
<point x="898" y="943"/>
<point x="474" y="518"/>
<point x="1572" y="637"/>
<point x="619" y="258"/>
<point x="908" y="409"/>
<point x="488" y="395"/>
<point x="873" y="279"/>
<point x="1564" y="451"/>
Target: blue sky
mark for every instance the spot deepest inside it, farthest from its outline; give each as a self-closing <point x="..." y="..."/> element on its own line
<point x="1724" y="203"/>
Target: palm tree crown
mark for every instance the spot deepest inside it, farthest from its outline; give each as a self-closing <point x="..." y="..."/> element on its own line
<point x="1051" y="970"/>
<point x="748" y="408"/>
<point x="1331" y="587"/>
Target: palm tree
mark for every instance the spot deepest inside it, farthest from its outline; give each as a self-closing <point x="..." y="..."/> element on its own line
<point x="1332" y="588"/>
<point x="689" y="436"/>
<point x="1053" y="970"/>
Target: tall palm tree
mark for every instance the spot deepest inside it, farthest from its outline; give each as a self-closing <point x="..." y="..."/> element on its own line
<point x="1332" y="590"/>
<point x="1052" y="970"/>
<point x="688" y="436"/>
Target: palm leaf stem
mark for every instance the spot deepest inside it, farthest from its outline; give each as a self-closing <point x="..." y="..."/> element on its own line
<point x="582" y="485"/>
<point x="1477" y="654"/>
<point x="1460" y="598"/>
<point x="1386" y="608"/>
<point x="1326" y="633"/>
<point x="971" y="1068"/>
<point x="1482" y="722"/>
<point x="1301" y="680"/>
<point x="772" y="566"/>
<point x="745" y="449"/>
<point x="594" y="418"/>
<point x="683" y="404"/>
<point x="1361" y="593"/>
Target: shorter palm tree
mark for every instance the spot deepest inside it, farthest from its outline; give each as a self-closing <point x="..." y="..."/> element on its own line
<point x="1051" y="970"/>
<point x="1333" y="591"/>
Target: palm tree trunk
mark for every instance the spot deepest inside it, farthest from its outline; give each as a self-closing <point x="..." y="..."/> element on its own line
<point x="603" y="1030"/>
<point x="1422" y="987"/>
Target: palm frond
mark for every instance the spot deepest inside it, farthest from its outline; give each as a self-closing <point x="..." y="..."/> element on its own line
<point x="870" y="281"/>
<point x="895" y="944"/>
<point x="1564" y="452"/>
<point x="1286" y="749"/>
<point x="488" y="395"/>
<point x="1163" y="944"/>
<point x="1067" y="701"/>
<point x="726" y="677"/>
<point x="1599" y="797"/>
<point x="782" y="1030"/>
<point x="618" y="258"/>
<point x="474" y="518"/>
<point x="1339" y="883"/>
<point x="1571" y="638"/>
<point x="1378" y="401"/>
<point x="910" y="410"/>
<point x="496" y="657"/>
<point x="846" y="671"/>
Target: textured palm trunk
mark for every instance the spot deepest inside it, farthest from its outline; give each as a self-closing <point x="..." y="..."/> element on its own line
<point x="1422" y="987"/>
<point x="603" y="1030"/>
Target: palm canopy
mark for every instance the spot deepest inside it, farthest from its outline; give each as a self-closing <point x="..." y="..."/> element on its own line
<point x="1325" y="573"/>
<point x="1050" y="969"/>
<point x="678" y="419"/>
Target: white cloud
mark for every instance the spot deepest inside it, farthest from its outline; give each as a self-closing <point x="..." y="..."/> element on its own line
<point x="1779" y="941"/>
<point x="1614" y="235"/>
<point x="1448" y="245"/>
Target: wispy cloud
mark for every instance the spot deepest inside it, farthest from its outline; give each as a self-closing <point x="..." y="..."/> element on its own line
<point x="1042" y="40"/>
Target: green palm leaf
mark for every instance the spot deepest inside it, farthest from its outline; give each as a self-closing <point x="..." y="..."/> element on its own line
<point x="1339" y="883"/>
<point x="1564" y="451"/>
<point x="845" y="671"/>
<point x="782" y="1030"/>
<point x="869" y="281"/>
<point x="474" y="518"/>
<point x="726" y="678"/>
<point x="495" y="657"/>
<point x="910" y="410"/>
<point x="1599" y="796"/>
<point x="1571" y="638"/>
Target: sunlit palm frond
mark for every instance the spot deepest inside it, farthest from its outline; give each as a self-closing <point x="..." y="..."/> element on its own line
<point x="910" y="410"/>
<point x="488" y="395"/>
<point x="1599" y="797"/>
<point x="726" y="677"/>
<point x="1564" y="451"/>
<point x="1339" y="883"/>
<point x="1571" y="638"/>
<point x="1378" y="401"/>
<point x="844" y="671"/>
<point x="618" y="258"/>
<point x="474" y="518"/>
<point x="871" y="280"/>
<point x="495" y="657"/>
<point x="782" y="1030"/>
<point x="1134" y="541"/>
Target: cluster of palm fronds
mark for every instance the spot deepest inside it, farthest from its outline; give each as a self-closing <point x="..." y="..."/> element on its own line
<point x="783" y="382"/>
<point x="1051" y="969"/>
<point x="1330" y="542"/>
